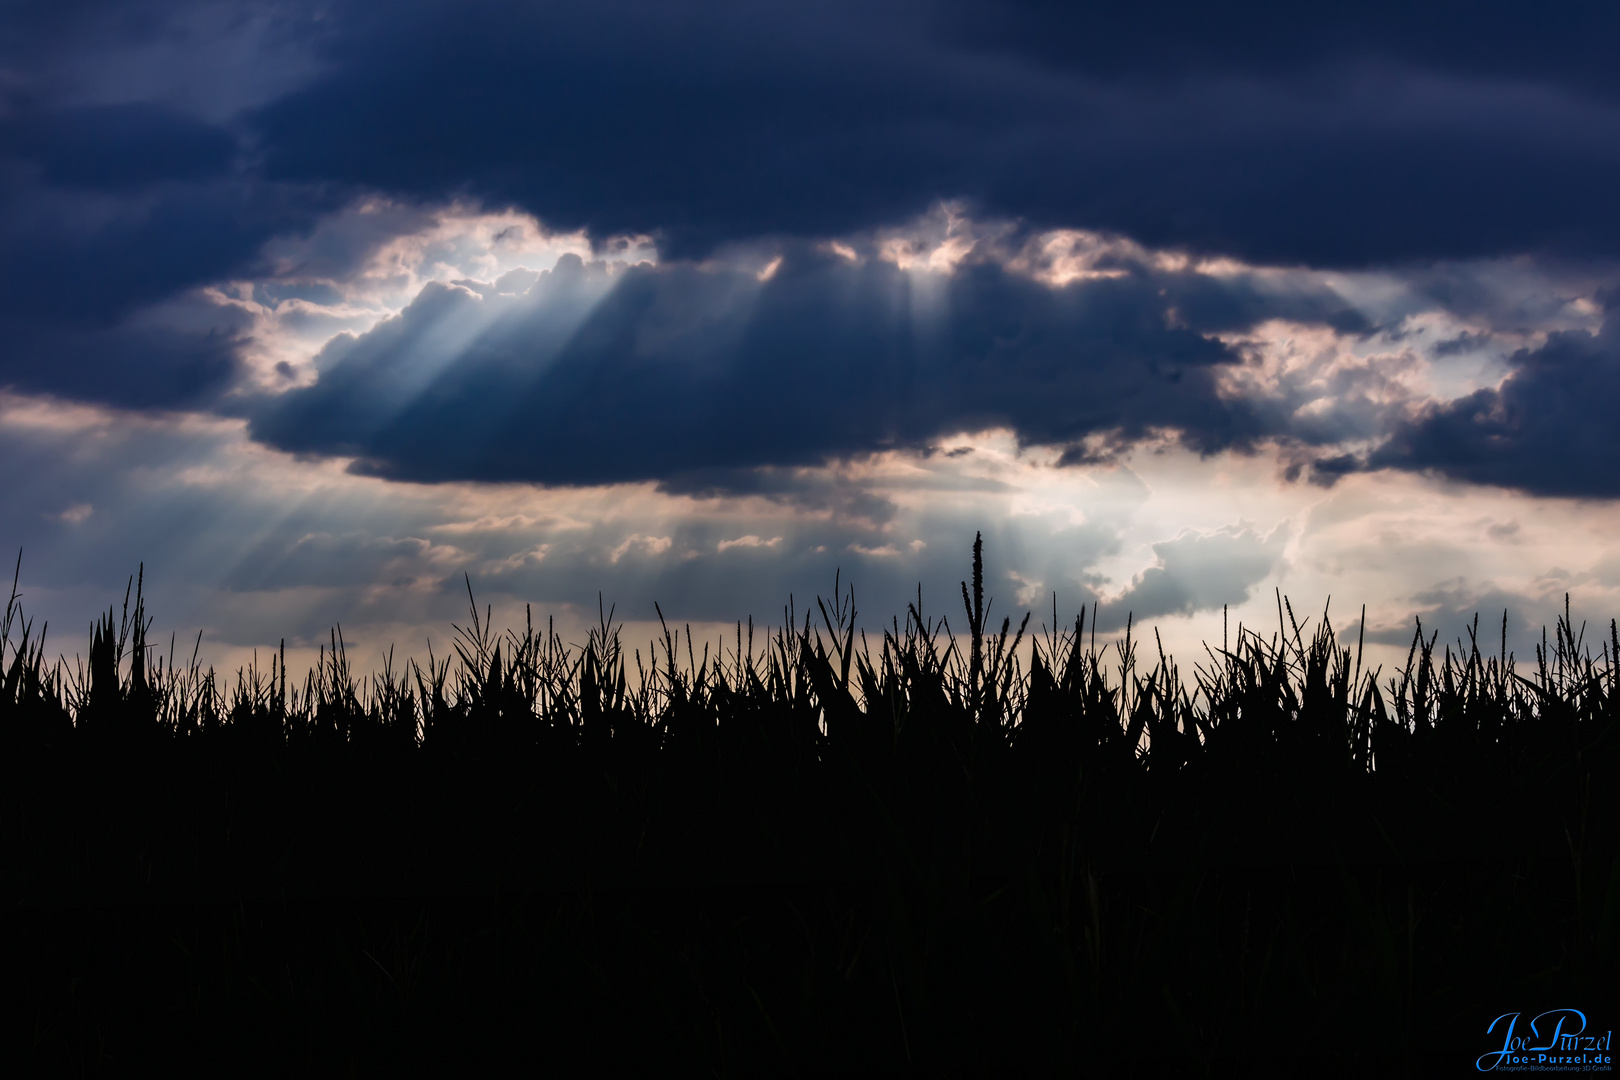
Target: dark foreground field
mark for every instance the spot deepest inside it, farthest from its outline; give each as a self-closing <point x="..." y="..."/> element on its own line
<point x="812" y="852"/>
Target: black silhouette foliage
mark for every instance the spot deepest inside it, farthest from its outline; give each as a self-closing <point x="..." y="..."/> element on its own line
<point x="802" y="851"/>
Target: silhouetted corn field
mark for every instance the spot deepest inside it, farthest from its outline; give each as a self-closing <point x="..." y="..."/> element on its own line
<point x="809" y="850"/>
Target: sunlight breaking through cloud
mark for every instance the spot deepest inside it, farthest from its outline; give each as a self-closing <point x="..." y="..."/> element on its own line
<point x="370" y="261"/>
<point x="387" y="313"/>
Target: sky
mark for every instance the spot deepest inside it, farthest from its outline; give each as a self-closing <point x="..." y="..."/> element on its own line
<point x="322" y="313"/>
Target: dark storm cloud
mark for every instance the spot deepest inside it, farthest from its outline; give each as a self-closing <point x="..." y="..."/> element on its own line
<point x="122" y="188"/>
<point x="684" y="374"/>
<point x="116" y="147"/>
<point x="1549" y="429"/>
<point x="1214" y="305"/>
<point x="129" y="365"/>
<point x="148" y="150"/>
<point x="1506" y="39"/>
<point x="78" y="258"/>
<point x="87" y="277"/>
<point x="81" y="272"/>
<point x="1339" y="137"/>
<point x="106" y="218"/>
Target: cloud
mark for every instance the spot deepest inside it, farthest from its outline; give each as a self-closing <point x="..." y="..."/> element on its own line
<point x="1548" y="429"/>
<point x="646" y="545"/>
<point x="1456" y="608"/>
<point x="1197" y="572"/>
<point x="145" y="156"/>
<point x="407" y="236"/>
<point x="182" y="354"/>
<point x="328" y="560"/>
<point x="749" y="541"/>
<point x="252" y="544"/>
<point x="127" y="184"/>
<point x="1280" y="139"/>
<point x="116" y="147"/>
<point x="713" y="382"/>
<point x="692" y="375"/>
<point x="209" y="59"/>
<point x="834" y="492"/>
<point x="100" y="290"/>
